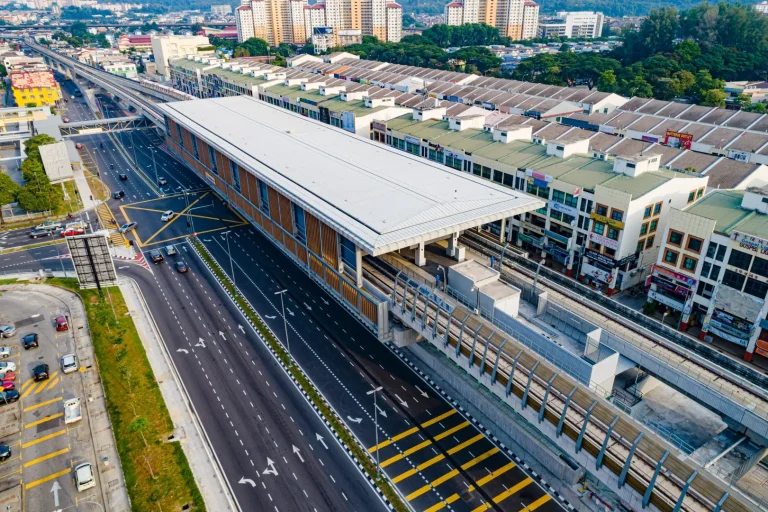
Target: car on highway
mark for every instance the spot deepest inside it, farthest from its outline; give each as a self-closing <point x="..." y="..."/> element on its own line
<point x="6" y="331"/>
<point x="5" y="452"/>
<point x="5" y="352"/>
<point x="66" y="119"/>
<point x="166" y="216"/>
<point x="181" y="267"/>
<point x="162" y="182"/>
<point x="41" y="372"/>
<point x="76" y="224"/>
<point x="79" y="146"/>
<point x="83" y="477"/>
<point x="61" y="323"/>
<point x="127" y="227"/>
<point x="122" y="176"/>
<point x="39" y="233"/>
<point x="118" y="195"/>
<point x="50" y="225"/>
<point x="171" y="250"/>
<point x="69" y="363"/>
<point x="8" y="397"/>
<point x="156" y="256"/>
<point x="78" y="94"/>
<point x="30" y="340"/>
<point x="7" y="366"/>
<point x="73" y="232"/>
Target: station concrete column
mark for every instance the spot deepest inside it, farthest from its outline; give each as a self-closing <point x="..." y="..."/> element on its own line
<point x="569" y="266"/>
<point x="358" y="267"/>
<point x="420" y="259"/>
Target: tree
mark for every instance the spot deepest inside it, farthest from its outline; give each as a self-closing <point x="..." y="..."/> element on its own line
<point x="656" y="34"/>
<point x="78" y="29"/>
<point x="713" y="98"/>
<point x="8" y="191"/>
<point x="607" y="81"/>
<point x="252" y="47"/>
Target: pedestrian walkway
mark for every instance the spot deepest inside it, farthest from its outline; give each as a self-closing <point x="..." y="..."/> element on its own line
<point x="108" y="221"/>
<point x="194" y="441"/>
<point x="86" y="195"/>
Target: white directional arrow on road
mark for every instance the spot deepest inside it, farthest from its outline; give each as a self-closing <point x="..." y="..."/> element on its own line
<point x="182" y="350"/>
<point x="422" y="392"/>
<point x="355" y="420"/>
<point x="242" y="329"/>
<point x="308" y="306"/>
<point x="381" y="411"/>
<point x="320" y="438"/>
<point x="402" y="402"/>
<point x="324" y="301"/>
<point x="222" y="335"/>
<point x="184" y="247"/>
<point x="289" y="311"/>
<point x="270" y="468"/>
<point x="123" y="267"/>
<point x="298" y="453"/>
<point x="55" y="490"/>
<point x="200" y="342"/>
<point x="244" y="480"/>
<point x="270" y="317"/>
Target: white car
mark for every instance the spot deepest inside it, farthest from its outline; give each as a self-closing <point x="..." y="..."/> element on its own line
<point x="7" y="366"/>
<point x="171" y="250"/>
<point x="5" y="352"/>
<point x="167" y="216"/>
<point x="69" y="363"/>
<point x="6" y="331"/>
<point x="83" y="477"/>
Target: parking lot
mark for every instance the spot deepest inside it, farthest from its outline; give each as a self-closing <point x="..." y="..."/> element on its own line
<point x="45" y="449"/>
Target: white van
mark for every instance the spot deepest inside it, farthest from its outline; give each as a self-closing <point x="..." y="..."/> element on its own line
<point x="84" y="477"/>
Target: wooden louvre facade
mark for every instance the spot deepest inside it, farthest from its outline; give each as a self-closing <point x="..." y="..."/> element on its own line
<point x="319" y="256"/>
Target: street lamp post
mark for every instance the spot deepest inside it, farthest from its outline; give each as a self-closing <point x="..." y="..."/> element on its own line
<point x="285" y="324"/>
<point x="154" y="164"/>
<point x="376" y="426"/>
<point x="501" y="258"/>
<point x="477" y="300"/>
<point x="536" y="277"/>
<point x="445" y="282"/>
<point x="231" y="264"/>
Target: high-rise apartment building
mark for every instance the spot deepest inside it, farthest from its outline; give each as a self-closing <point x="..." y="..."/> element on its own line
<point x="573" y="24"/>
<point x="295" y="21"/>
<point x="517" y="19"/>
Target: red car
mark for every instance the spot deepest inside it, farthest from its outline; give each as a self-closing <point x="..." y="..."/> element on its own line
<point x="66" y="119"/>
<point x="61" y="323"/>
<point x="73" y="232"/>
<point x="79" y="146"/>
<point x="8" y="385"/>
<point x="9" y="376"/>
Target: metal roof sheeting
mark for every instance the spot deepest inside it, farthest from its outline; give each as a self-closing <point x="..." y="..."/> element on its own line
<point x="378" y="197"/>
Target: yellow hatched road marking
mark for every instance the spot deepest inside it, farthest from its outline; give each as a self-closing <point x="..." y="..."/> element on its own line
<point x="51" y="384"/>
<point x="44" y="438"/>
<point x="424" y="444"/>
<point x="436" y="459"/>
<point x="536" y="504"/>
<point x="26" y="383"/>
<point x="47" y="418"/>
<point x="193" y="215"/>
<point x="42" y="404"/>
<point x="452" y="473"/>
<point x="506" y="494"/>
<point x="46" y="457"/>
<point x="29" y="390"/>
<point x="412" y="430"/>
<point x="166" y="240"/>
<point x="46" y="479"/>
<point x="177" y="217"/>
<point x="453" y="497"/>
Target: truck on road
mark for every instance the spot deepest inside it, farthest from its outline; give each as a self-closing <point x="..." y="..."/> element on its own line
<point x="72" y="411"/>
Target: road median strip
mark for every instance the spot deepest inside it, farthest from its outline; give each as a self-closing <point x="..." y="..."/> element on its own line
<point x="349" y="442"/>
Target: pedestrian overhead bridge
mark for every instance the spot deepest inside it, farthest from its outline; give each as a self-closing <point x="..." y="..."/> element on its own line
<point x="96" y="126"/>
<point x="335" y="203"/>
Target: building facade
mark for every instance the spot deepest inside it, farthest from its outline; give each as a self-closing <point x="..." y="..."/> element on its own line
<point x="712" y="269"/>
<point x="35" y="88"/>
<point x="583" y="24"/>
<point x="517" y="19"/>
<point x="167" y="47"/>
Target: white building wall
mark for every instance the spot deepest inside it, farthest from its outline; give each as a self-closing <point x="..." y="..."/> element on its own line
<point x="454" y="14"/>
<point x="394" y="23"/>
<point x="244" y="23"/>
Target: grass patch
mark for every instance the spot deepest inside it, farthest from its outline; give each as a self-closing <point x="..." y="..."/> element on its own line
<point x="304" y="383"/>
<point x="157" y="474"/>
<point x="99" y="189"/>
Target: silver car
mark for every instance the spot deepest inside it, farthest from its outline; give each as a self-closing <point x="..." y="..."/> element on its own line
<point x="69" y="363"/>
<point x="6" y="331"/>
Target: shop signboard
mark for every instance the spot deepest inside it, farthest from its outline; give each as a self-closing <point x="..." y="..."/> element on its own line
<point x="628" y="259"/>
<point x="600" y="258"/>
<point x="538" y="175"/>
<point x="750" y="242"/>
<point x="558" y="237"/>
<point x="659" y="270"/>
<point x="604" y="240"/>
<point x="564" y="208"/>
<point x="721" y="330"/>
<point x="649" y="138"/>
<point x="670" y="286"/>
<point x="557" y="253"/>
<point x="607" y="220"/>
<point x="522" y="237"/>
<point x="741" y="156"/>
<point x="762" y="348"/>
<point x="738" y="324"/>
<point x="451" y="154"/>
<point x="667" y="301"/>
<point x="412" y="140"/>
<point x="678" y="139"/>
<point x="376" y="125"/>
<point x="596" y="273"/>
<point x="532" y="227"/>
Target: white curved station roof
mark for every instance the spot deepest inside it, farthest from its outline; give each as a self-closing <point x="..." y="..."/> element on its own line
<point x="380" y="198"/>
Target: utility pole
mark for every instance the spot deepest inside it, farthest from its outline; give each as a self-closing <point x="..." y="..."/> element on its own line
<point x="285" y="325"/>
<point x="376" y="426"/>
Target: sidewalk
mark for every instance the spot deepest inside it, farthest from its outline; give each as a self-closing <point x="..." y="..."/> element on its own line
<point x="86" y="195"/>
<point x="113" y="489"/>
<point x="194" y="441"/>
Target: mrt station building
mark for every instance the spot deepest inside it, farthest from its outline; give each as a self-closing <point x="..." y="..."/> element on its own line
<point x="327" y="197"/>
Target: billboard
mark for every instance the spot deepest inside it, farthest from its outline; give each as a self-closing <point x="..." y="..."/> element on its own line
<point x="92" y="260"/>
<point x="678" y="139"/>
<point x="322" y="31"/>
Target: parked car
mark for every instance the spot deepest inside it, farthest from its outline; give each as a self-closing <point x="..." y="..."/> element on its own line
<point x="162" y="182"/>
<point x="171" y="250"/>
<point x="69" y="363"/>
<point x="78" y="224"/>
<point x="9" y="376"/>
<point x="128" y="227"/>
<point x="7" y="385"/>
<point x="39" y="233"/>
<point x="5" y="452"/>
<point x="79" y="146"/>
<point x="5" y="352"/>
<point x="8" y="397"/>
<point x="73" y="232"/>
<point x="61" y="323"/>
<point x="168" y="215"/>
<point x="66" y="119"/>
<point x="7" y="366"/>
<point x="6" y="331"/>
<point x="181" y="267"/>
<point x="118" y="195"/>
<point x="49" y="225"/>
<point x="156" y="256"/>
<point x="30" y="340"/>
<point x="122" y="176"/>
<point x="41" y="372"/>
<point x="83" y="477"/>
